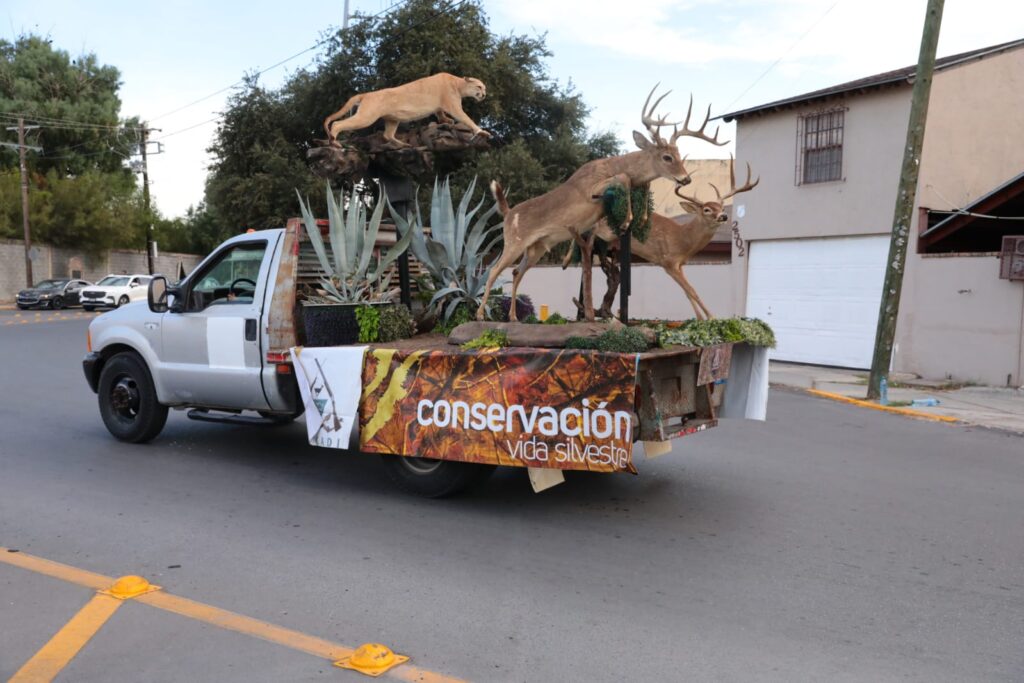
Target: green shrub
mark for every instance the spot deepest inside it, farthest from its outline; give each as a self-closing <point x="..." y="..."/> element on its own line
<point x="395" y="323"/>
<point x="463" y="313"/>
<point x="369" y="324"/>
<point x="488" y="339"/>
<point x="556" y="319"/>
<point x="617" y="340"/>
<point x="717" y="331"/>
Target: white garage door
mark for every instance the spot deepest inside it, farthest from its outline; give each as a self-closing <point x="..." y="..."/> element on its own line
<point x="821" y="296"/>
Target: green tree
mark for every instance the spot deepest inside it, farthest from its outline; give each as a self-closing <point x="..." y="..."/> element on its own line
<point x="81" y="193"/>
<point x="539" y="125"/>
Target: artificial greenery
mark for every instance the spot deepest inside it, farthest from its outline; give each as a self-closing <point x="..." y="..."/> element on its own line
<point x="717" y="331"/>
<point x="395" y="323"/>
<point x="369" y="324"/>
<point x="556" y="319"/>
<point x="462" y="314"/>
<point x="616" y="340"/>
<point x="617" y="206"/>
<point x="488" y="339"/>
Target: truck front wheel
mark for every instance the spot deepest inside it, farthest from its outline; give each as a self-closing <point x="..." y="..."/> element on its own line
<point x="433" y="478"/>
<point x="128" y="402"/>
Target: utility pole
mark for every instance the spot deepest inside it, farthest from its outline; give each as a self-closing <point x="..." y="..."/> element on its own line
<point x="145" y="197"/>
<point x="344" y="23"/>
<point x="891" y="290"/>
<point x="21" y="128"/>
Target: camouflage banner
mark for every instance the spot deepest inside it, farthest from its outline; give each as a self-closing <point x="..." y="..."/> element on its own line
<point x="555" y="408"/>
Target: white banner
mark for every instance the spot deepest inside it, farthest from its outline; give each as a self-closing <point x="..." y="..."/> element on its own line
<point x="331" y="382"/>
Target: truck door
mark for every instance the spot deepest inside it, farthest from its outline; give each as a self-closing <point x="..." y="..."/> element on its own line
<point x="211" y="337"/>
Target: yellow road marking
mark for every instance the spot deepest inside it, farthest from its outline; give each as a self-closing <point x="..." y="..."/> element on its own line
<point x="215" y="616"/>
<point x="67" y="642"/>
<point x="888" y="409"/>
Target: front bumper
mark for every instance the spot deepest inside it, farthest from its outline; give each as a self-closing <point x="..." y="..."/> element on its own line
<point x="32" y="302"/>
<point x="105" y="300"/>
<point x="92" y="364"/>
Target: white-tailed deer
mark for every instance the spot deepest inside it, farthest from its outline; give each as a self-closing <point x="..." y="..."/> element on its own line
<point x="671" y="244"/>
<point x="534" y="226"/>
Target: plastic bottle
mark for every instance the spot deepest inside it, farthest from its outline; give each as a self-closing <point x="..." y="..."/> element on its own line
<point x="883" y="392"/>
<point x="921" y="402"/>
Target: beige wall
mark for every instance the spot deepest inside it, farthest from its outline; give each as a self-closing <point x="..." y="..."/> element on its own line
<point x="655" y="295"/>
<point x="860" y="204"/>
<point x="974" y="140"/>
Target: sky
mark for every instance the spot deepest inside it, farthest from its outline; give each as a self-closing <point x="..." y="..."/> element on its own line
<point x="730" y="54"/>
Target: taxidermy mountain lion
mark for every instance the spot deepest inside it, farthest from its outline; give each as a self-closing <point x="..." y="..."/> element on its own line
<point x="440" y="95"/>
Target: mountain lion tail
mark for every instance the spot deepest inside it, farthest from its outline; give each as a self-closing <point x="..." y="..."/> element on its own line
<point x="346" y="108"/>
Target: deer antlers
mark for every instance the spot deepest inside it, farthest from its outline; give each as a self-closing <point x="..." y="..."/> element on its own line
<point x="746" y="187"/>
<point x="699" y="133"/>
<point x="652" y="124"/>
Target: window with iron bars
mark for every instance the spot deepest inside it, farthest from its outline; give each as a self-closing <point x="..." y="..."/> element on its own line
<point x="819" y="138"/>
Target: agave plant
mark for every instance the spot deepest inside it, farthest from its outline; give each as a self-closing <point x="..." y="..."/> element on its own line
<point x="350" y="278"/>
<point x="453" y="253"/>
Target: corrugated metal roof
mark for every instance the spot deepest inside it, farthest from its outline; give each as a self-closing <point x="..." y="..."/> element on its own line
<point x="878" y="81"/>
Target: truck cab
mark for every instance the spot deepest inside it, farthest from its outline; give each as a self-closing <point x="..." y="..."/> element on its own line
<point x="200" y="344"/>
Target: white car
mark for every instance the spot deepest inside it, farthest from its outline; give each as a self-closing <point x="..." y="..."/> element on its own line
<point x="115" y="291"/>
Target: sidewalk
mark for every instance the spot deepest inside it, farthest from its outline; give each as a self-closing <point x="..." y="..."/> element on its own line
<point x="984" y="406"/>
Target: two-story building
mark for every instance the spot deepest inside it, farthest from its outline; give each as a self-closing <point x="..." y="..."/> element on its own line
<point x="817" y="227"/>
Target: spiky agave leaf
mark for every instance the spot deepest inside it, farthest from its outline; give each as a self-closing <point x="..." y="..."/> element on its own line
<point x="315" y="238"/>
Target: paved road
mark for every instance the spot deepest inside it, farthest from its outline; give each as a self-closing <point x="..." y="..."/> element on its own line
<point x="830" y="543"/>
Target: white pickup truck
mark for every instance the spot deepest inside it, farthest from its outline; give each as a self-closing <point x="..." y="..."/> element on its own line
<point x="218" y="344"/>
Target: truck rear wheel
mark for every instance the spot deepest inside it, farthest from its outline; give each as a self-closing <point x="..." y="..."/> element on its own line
<point x="433" y="478"/>
<point x="128" y="402"/>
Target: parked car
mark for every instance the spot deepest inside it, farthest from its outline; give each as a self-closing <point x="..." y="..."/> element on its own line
<point x="55" y="294"/>
<point x="115" y="291"/>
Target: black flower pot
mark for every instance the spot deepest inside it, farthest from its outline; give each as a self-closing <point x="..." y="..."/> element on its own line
<point x="330" y="324"/>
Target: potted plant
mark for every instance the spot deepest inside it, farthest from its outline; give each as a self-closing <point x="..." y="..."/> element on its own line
<point x="453" y="253"/>
<point x="353" y="277"/>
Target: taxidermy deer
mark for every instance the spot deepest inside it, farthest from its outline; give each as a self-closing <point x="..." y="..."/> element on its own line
<point x="671" y="244"/>
<point x="532" y="227"/>
<point x="440" y="95"/>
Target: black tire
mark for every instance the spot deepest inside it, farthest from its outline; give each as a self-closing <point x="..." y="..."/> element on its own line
<point x="433" y="478"/>
<point x="278" y="419"/>
<point x="88" y="309"/>
<point x="57" y="303"/>
<point x="128" y="402"/>
<point x="122" y="301"/>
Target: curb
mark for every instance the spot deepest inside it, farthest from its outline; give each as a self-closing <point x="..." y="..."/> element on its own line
<point x="888" y="409"/>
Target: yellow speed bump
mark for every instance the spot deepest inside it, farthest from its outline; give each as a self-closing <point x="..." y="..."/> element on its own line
<point x="130" y="586"/>
<point x="371" y="659"/>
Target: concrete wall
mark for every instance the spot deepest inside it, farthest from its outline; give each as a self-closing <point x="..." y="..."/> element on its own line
<point x="959" y="320"/>
<point x="655" y="294"/>
<point x="53" y="262"/>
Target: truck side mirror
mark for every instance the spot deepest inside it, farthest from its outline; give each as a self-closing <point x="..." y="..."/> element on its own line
<point x="157" y="294"/>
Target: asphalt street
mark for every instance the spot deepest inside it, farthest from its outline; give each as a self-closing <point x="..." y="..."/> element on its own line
<point x="830" y="543"/>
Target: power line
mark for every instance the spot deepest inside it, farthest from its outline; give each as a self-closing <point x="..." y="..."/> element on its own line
<point x="784" y="54"/>
<point x="390" y="39"/>
<point x="66" y="124"/>
<point x="269" y="68"/>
